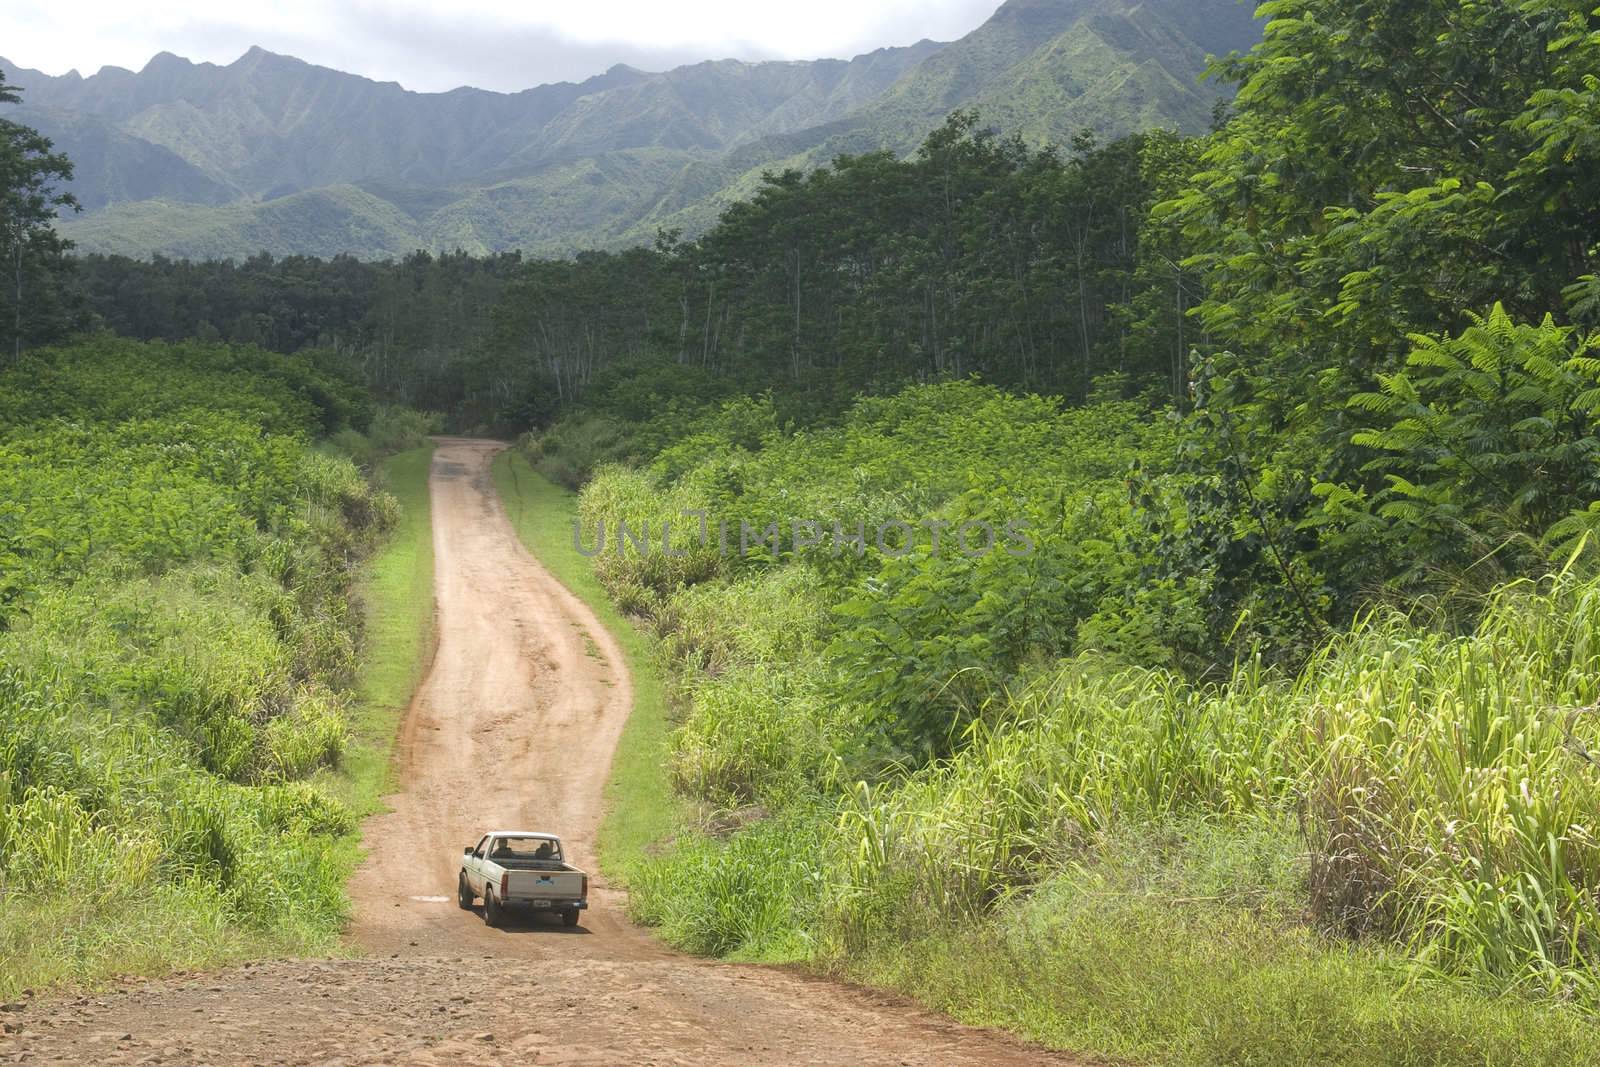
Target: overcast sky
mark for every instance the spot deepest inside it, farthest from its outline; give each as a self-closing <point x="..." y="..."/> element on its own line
<point x="493" y="44"/>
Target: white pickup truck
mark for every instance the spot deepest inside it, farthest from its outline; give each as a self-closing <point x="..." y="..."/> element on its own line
<point x="521" y="869"/>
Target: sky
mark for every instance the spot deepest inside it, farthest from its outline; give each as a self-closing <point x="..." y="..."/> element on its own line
<point x="492" y="44"/>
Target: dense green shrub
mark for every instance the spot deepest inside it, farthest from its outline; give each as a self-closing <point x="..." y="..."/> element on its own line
<point x="109" y="379"/>
<point x="914" y="640"/>
<point x="888" y="746"/>
<point x="755" y="894"/>
<point x="176" y="632"/>
<point x="1440" y="785"/>
<point x="391" y="431"/>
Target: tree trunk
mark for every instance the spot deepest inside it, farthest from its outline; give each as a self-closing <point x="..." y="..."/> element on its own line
<point x="16" y="312"/>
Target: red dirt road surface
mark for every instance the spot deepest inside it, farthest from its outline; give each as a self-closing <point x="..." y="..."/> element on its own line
<point x="513" y="727"/>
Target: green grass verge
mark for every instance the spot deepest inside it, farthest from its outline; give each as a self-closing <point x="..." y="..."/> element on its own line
<point x="396" y="594"/>
<point x="1150" y="952"/>
<point x="149" y="930"/>
<point x="1149" y="983"/>
<point x="640" y="806"/>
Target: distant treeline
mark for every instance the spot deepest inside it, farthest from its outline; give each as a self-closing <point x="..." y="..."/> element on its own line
<point x="412" y="327"/>
<point x="1030" y="268"/>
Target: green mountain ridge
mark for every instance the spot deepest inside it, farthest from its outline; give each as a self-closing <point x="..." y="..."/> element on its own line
<point x="272" y="153"/>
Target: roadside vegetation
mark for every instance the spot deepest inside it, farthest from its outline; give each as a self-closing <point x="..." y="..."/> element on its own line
<point x="1279" y="746"/>
<point x="964" y="779"/>
<point x="176" y="646"/>
<point x="395" y="593"/>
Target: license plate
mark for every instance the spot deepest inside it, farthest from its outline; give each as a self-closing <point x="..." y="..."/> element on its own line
<point x="540" y="903"/>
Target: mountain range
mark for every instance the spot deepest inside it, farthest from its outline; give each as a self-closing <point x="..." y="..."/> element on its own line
<point x="272" y="153"/>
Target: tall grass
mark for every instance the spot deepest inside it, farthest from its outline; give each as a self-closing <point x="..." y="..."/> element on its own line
<point x="393" y="430"/>
<point x="1386" y="856"/>
<point x="1439" y="783"/>
<point x="1178" y="945"/>
<point x="177" y="645"/>
<point x="1384" y="859"/>
<point x="122" y="853"/>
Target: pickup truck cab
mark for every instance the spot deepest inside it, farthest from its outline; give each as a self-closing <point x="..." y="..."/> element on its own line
<point x="521" y="869"/>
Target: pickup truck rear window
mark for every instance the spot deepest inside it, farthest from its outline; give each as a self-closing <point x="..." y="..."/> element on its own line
<point x="524" y="848"/>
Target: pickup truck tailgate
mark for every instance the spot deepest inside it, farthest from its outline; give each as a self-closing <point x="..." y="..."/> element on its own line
<point x="545" y="885"/>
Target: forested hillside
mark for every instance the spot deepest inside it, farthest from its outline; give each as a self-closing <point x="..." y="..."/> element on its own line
<point x="977" y="256"/>
<point x="273" y="154"/>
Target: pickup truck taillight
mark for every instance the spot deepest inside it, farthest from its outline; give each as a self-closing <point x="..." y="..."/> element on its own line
<point x="586" y="887"/>
<point x="505" y="884"/>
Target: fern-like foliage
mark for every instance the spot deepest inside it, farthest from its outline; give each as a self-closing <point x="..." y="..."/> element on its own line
<point x="1485" y="445"/>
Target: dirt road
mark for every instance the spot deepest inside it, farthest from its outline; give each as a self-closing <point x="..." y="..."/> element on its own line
<point x="513" y="727"/>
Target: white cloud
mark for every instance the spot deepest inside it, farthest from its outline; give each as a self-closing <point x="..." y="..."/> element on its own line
<point x="497" y="44"/>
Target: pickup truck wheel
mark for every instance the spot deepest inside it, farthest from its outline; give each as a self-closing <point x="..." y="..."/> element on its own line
<point x="570" y="917"/>
<point x="493" y="914"/>
<point x="464" y="893"/>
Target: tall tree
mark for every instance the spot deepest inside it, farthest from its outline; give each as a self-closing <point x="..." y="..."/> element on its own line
<point x="1391" y="172"/>
<point x="33" y="308"/>
<point x="1392" y="168"/>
